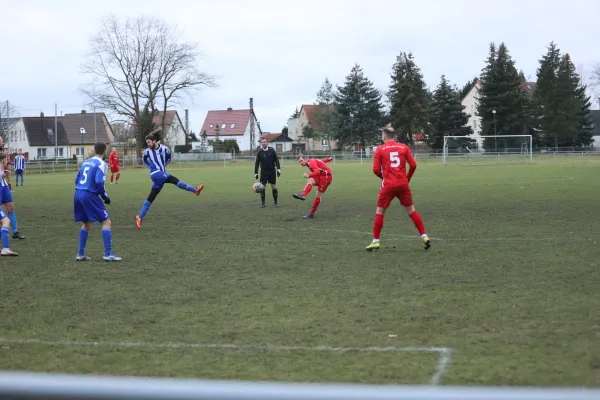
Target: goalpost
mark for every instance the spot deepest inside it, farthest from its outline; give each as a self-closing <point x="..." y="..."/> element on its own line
<point x="453" y="149"/>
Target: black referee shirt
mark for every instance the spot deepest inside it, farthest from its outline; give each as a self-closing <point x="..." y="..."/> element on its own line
<point x="267" y="159"/>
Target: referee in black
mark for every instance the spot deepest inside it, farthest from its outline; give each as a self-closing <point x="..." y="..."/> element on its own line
<point x="269" y="166"/>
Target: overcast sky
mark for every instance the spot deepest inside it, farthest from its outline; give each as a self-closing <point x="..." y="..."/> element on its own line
<point x="279" y="52"/>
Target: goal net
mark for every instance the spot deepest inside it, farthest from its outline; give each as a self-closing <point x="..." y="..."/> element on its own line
<point x="491" y="150"/>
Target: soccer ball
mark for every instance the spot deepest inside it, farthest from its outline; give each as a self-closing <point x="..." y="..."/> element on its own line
<point x="258" y="187"/>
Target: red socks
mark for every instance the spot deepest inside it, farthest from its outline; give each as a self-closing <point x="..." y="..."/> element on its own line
<point x="111" y="177"/>
<point x="416" y="219"/>
<point x="377" y="226"/>
<point x="118" y="176"/>
<point x="315" y="205"/>
<point x="307" y="189"/>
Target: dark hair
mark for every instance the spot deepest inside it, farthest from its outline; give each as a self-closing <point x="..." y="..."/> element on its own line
<point x="155" y="135"/>
<point x="100" y="148"/>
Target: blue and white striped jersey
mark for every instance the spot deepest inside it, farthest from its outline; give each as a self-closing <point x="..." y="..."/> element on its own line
<point x="157" y="159"/>
<point x="19" y="162"/>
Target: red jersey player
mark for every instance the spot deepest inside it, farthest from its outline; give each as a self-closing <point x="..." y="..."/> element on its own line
<point x="113" y="160"/>
<point x="320" y="176"/>
<point x="389" y="164"/>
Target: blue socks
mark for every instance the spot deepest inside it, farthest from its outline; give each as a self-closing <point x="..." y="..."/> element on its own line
<point x="22" y="180"/>
<point x="145" y="209"/>
<point x="13" y="221"/>
<point x="185" y="186"/>
<point x="107" y="239"/>
<point x="83" y="237"/>
<point x="5" y="243"/>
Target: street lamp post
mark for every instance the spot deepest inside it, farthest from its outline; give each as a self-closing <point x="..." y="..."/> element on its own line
<point x="495" y="139"/>
<point x="82" y="131"/>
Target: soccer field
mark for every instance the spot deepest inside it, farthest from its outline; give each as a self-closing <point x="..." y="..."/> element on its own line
<point x="216" y="287"/>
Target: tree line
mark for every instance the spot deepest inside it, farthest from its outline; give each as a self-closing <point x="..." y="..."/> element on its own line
<point x="555" y="110"/>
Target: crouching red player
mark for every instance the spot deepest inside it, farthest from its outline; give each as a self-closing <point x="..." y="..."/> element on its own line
<point x="389" y="164"/>
<point x="320" y="176"/>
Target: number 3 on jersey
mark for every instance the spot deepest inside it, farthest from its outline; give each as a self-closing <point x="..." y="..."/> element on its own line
<point x="394" y="159"/>
<point x="85" y="176"/>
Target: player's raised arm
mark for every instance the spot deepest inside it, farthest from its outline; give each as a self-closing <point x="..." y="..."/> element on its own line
<point x="412" y="163"/>
<point x="377" y="164"/>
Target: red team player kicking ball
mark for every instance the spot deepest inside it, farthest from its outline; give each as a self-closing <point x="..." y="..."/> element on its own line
<point x="389" y="164"/>
<point x="113" y="160"/>
<point x="320" y="176"/>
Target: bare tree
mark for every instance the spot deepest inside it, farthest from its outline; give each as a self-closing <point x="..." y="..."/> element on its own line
<point x="594" y="80"/>
<point x="8" y="116"/>
<point x="138" y="64"/>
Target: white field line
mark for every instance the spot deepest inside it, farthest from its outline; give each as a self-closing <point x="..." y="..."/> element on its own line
<point x="390" y="235"/>
<point x="444" y="359"/>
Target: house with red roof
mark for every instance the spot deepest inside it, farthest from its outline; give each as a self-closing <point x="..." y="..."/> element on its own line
<point x="232" y="124"/>
<point x="296" y="126"/>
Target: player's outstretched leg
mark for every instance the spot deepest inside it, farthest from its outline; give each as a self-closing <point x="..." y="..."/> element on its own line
<point x="83" y="237"/>
<point x="146" y="206"/>
<point x="6" y="251"/>
<point x="305" y="191"/>
<point x="182" y="185"/>
<point x="107" y="240"/>
<point x="418" y="222"/>
<point x="315" y="205"/>
<point x="377" y="227"/>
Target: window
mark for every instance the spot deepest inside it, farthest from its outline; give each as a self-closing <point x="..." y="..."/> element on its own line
<point x="223" y="126"/>
<point x="79" y="151"/>
<point x="60" y="152"/>
<point x="41" y="152"/>
<point x="212" y="126"/>
<point x="232" y="126"/>
<point x="324" y="142"/>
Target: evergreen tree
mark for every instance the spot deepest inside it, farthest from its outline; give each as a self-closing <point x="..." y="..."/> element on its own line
<point x="409" y="99"/>
<point x="295" y="114"/>
<point x="447" y="117"/>
<point x="501" y="91"/>
<point x="561" y="103"/>
<point x="547" y="101"/>
<point x="324" y="114"/>
<point x="467" y="87"/>
<point x="359" y="110"/>
<point x="522" y="76"/>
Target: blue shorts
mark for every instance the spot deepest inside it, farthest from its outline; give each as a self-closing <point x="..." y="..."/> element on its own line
<point x="5" y="194"/>
<point x="18" y="172"/>
<point x="89" y="207"/>
<point x="159" y="179"/>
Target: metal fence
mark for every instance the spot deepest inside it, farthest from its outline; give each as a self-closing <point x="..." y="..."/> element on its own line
<point x="21" y="386"/>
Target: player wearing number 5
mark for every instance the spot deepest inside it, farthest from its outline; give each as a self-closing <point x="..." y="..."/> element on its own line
<point x="389" y="164"/>
<point x="89" y="184"/>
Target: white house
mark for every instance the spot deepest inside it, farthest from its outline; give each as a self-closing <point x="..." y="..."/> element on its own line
<point x="596" y="121"/>
<point x="279" y="141"/>
<point x="470" y="102"/>
<point x="36" y="137"/>
<point x="231" y="124"/>
<point x="174" y="131"/>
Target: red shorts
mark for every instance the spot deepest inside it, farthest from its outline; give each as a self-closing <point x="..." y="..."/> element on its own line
<point x="114" y="169"/>
<point x="389" y="193"/>
<point x="322" y="182"/>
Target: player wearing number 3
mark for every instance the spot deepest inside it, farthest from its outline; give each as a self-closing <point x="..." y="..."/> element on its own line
<point x="89" y="184"/>
<point x="389" y="164"/>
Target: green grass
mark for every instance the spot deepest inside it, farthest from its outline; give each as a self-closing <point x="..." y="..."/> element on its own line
<point x="511" y="284"/>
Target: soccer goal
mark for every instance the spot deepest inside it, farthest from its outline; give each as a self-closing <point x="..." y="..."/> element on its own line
<point x="498" y="149"/>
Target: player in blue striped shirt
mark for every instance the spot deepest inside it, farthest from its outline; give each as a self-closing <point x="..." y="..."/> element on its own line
<point x="156" y="158"/>
<point x="19" y="166"/>
<point x="89" y="184"/>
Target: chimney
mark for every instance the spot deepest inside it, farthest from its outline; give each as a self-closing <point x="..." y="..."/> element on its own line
<point x="229" y="109"/>
<point x="83" y="111"/>
<point x="41" y="115"/>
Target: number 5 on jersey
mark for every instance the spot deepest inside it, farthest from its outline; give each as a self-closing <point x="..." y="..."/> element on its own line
<point x="394" y="159"/>
<point x="85" y="176"/>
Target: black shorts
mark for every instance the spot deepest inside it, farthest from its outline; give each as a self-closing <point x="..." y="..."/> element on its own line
<point x="268" y="176"/>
